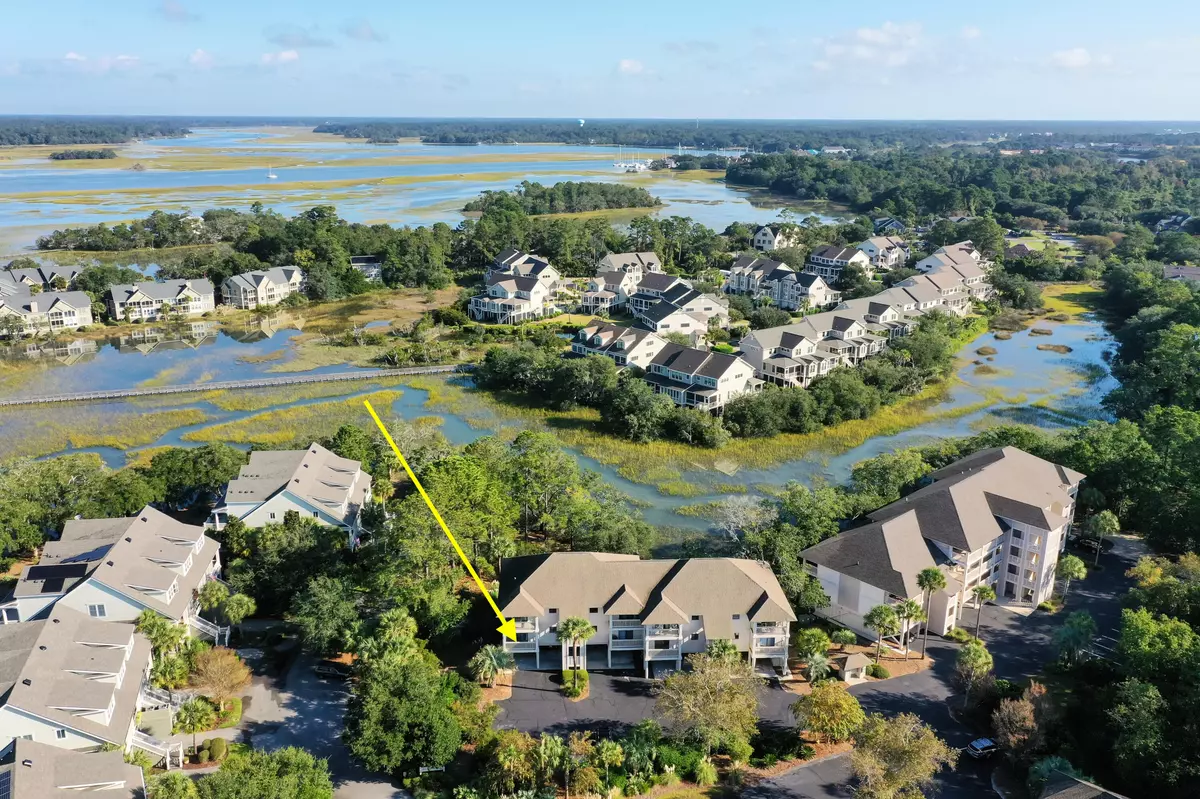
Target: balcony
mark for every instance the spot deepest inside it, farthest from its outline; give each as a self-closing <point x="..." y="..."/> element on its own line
<point x="526" y="625"/>
<point x="777" y="650"/>
<point x="769" y="628"/>
<point x="670" y="653"/>
<point x="625" y="623"/>
<point x="626" y="643"/>
<point x="520" y="646"/>
<point x="660" y="631"/>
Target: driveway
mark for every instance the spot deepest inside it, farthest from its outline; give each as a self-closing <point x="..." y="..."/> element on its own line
<point x="300" y="709"/>
<point x="1020" y="646"/>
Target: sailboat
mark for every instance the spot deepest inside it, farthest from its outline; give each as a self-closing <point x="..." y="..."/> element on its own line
<point x="271" y="173"/>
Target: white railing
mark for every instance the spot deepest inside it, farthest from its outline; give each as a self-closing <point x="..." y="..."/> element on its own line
<point x="626" y="623"/>
<point x="171" y="753"/>
<point x="203" y="626"/>
<point x="662" y="631"/>
<point x="769" y="651"/>
<point x="526" y="626"/>
<point x="659" y="654"/>
<point x="150" y="697"/>
<point x="520" y="646"/>
<point x="768" y="629"/>
<point x="625" y="643"/>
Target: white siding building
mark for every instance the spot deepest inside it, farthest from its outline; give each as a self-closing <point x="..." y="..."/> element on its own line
<point x="262" y="287"/>
<point x="46" y="312"/>
<point x="147" y="300"/>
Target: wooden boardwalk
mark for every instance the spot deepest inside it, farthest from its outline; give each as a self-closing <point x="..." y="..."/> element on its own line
<point x="257" y="382"/>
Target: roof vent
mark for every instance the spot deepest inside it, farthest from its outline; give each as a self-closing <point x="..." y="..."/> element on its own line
<point x="27" y="763"/>
<point x="128" y="540"/>
<point x="55" y="621"/>
<point x="26" y="681"/>
<point x="109" y="562"/>
<point x="42" y="647"/>
<point x="145" y="519"/>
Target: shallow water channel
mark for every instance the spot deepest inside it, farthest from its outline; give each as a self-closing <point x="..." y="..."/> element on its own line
<point x="1021" y="383"/>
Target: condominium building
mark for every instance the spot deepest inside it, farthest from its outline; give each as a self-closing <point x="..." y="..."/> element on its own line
<point x="762" y="278"/>
<point x="519" y="287"/>
<point x="798" y="353"/>
<point x="885" y="252"/>
<point x="773" y="237"/>
<point x="150" y="300"/>
<point x="41" y="771"/>
<point x="647" y="614"/>
<point x="999" y="517"/>
<point x="261" y="287"/>
<point x="626" y="346"/>
<point x="830" y="261"/>
<point x="700" y="379"/>
<point x="25" y="314"/>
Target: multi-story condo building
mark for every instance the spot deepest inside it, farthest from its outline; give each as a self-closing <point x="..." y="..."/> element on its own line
<point x="831" y="260"/>
<point x="700" y="379"/>
<point x="885" y="252"/>
<point x="797" y="354"/>
<point x="647" y="614"/>
<point x="77" y="682"/>
<point x="113" y="569"/>
<point x="519" y="287"/>
<point x="148" y="300"/>
<point x="773" y="237"/>
<point x="45" y="278"/>
<point x="627" y="346"/>
<point x="511" y="300"/>
<point x="651" y="288"/>
<point x="762" y="278"/>
<point x="947" y="286"/>
<point x="962" y="252"/>
<point x="637" y="262"/>
<point x="312" y="482"/>
<point x="684" y="310"/>
<point x="998" y="517"/>
<point x="46" y="312"/>
<point x="261" y="287"/>
<point x="41" y="771"/>
<point x="888" y="225"/>
<point x="609" y="291"/>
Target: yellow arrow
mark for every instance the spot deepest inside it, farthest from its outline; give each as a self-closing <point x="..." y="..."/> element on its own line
<point x="508" y="627"/>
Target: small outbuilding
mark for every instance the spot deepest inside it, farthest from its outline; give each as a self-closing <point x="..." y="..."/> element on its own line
<point x="852" y="666"/>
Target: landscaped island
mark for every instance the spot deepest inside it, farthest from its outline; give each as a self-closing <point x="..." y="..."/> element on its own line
<point x="83" y="155"/>
<point x="567" y="197"/>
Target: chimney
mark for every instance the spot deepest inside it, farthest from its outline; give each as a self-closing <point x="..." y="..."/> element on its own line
<point x="33" y="306"/>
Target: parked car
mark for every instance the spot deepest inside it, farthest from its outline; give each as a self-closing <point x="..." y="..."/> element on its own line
<point x="329" y="670"/>
<point x="982" y="748"/>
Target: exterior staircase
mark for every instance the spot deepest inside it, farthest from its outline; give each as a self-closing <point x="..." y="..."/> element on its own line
<point x="217" y="634"/>
<point x="171" y="755"/>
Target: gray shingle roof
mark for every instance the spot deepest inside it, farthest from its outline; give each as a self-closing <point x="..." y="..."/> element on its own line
<point x="168" y="290"/>
<point x="279" y="275"/>
<point x="42" y="771"/>
<point x="45" y="301"/>
<point x="658" y="281"/>
<point x="337" y="486"/>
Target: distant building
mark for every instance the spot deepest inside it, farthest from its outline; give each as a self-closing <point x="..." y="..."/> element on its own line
<point x="369" y="266"/>
<point x="519" y="287"/>
<point x="262" y="287"/>
<point x="761" y="278"/>
<point x="1173" y="223"/>
<point x="836" y="151"/>
<point x="830" y="261"/>
<point x="773" y="237"/>
<point x="885" y="252"/>
<point x="46" y="278"/>
<point x="626" y="346"/>
<point x="889" y="224"/>
<point x="637" y="262"/>
<point x="1181" y="272"/>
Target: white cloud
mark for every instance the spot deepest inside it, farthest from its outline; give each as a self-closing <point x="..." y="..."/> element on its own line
<point x="201" y="59"/>
<point x="971" y="32"/>
<point x="73" y="56"/>
<point x="1078" y="58"/>
<point x="102" y="64"/>
<point x="630" y="66"/>
<point x="888" y="46"/>
<point x="282" y="57"/>
<point x="822" y="66"/>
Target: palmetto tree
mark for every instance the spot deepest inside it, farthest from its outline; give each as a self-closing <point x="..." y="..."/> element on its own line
<point x="929" y="580"/>
<point x="1075" y="635"/>
<point x="195" y="715"/>
<point x="1068" y="569"/>
<point x="816" y="666"/>
<point x="575" y="630"/>
<point x="982" y="593"/>
<point x="908" y="612"/>
<point x="488" y="662"/>
<point x="883" y="620"/>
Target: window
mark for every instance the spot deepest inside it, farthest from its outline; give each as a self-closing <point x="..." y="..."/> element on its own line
<point x="553" y="610"/>
<point x="695" y="636"/>
<point x="737" y="616"/>
<point x="1016" y="534"/>
<point x="996" y="569"/>
<point x="96" y="611"/>
<point x="61" y="734"/>
<point x="736" y="636"/>
<point x="695" y="618"/>
<point x="11" y="614"/>
<point x="272" y="514"/>
<point x="1012" y="569"/>
<point x="593" y="610"/>
<point x="315" y="514"/>
<point x="1014" y="551"/>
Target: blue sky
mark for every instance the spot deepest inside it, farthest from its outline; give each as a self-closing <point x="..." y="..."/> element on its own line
<point x="912" y="60"/>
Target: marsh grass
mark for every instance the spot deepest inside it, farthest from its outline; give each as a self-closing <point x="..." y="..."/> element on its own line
<point x="700" y="510"/>
<point x="681" y="488"/>
<point x="164" y="377"/>
<point x="260" y="398"/>
<point x="36" y="432"/>
<point x="729" y="488"/>
<point x="296" y="426"/>
<point x="1072" y="299"/>
<point x="266" y="357"/>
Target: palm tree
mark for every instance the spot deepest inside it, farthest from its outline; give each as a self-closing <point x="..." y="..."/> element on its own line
<point x="1070" y="568"/>
<point x="816" y="666"/>
<point x="575" y="630"/>
<point x="929" y="580"/>
<point x="883" y="620"/>
<point x="609" y="753"/>
<point x="982" y="593"/>
<point x="1101" y="526"/>
<point x="1074" y="636"/>
<point x="488" y="662"/>
<point x="238" y="607"/>
<point x="908" y="612"/>
<point x="195" y="715"/>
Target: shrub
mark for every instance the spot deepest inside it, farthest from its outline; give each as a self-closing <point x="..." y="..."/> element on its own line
<point x="766" y="761"/>
<point x="1046" y="606"/>
<point x="722" y="347"/>
<point x="574" y="683"/>
<point x="618" y="781"/>
<point x="637" y="785"/>
<point x="878" y="672"/>
<point x="843" y="637"/>
<point x="960" y="635"/>
<point x="738" y="751"/>
<point x="806" y="752"/>
<point x="706" y="773"/>
<point x="203" y="756"/>
<point x="680" y="757"/>
<point x="219" y="747"/>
